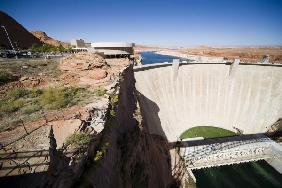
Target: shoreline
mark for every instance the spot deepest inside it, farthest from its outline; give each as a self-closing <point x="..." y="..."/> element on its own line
<point x="194" y="58"/>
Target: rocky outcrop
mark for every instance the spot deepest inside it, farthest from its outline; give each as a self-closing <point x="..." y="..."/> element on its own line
<point x="20" y="37"/>
<point x="86" y="68"/>
<point x="43" y="37"/>
<point x="82" y="61"/>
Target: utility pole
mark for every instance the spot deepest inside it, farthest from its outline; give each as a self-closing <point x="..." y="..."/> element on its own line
<point x="8" y="37"/>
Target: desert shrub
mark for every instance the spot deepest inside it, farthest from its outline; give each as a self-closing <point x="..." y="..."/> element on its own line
<point x="98" y="156"/>
<point x="54" y="98"/>
<point x="75" y="95"/>
<point x="5" y="77"/>
<point x="35" y="92"/>
<point x="114" y="103"/>
<point x="29" y="109"/>
<point x="71" y="92"/>
<point x="51" y="98"/>
<point x="78" y="139"/>
<point x="114" y="99"/>
<point x="100" y="92"/>
<point x="100" y="153"/>
<point x="11" y="105"/>
<point x="19" y="93"/>
<point x="11" y="125"/>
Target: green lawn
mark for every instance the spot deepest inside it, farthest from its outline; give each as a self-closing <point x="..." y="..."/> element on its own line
<point x="206" y="132"/>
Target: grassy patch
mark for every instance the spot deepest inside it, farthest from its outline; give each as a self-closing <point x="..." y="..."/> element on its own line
<point x="31" y="108"/>
<point x="100" y="153"/>
<point x="30" y="104"/>
<point x="6" y="77"/>
<point x="11" y="69"/>
<point x="78" y="139"/>
<point x="114" y="104"/>
<point x="11" y="105"/>
<point x="18" y="93"/>
<point x="54" y="98"/>
<point x="100" y="92"/>
<point x="98" y="156"/>
<point x="206" y="132"/>
<point x="57" y="98"/>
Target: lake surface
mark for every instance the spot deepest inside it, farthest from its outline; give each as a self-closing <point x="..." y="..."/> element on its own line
<point x="151" y="58"/>
<point x="246" y="175"/>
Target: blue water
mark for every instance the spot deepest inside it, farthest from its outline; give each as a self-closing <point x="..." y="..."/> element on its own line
<point x="151" y="57"/>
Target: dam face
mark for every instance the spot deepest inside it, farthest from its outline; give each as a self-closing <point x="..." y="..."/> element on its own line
<point x="243" y="96"/>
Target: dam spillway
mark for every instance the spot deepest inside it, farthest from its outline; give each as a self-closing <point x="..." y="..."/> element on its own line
<point x="175" y="98"/>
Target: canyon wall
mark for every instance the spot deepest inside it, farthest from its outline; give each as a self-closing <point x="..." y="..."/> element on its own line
<point x="124" y="154"/>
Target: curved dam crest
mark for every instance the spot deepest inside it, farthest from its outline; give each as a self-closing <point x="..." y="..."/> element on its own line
<point x="174" y="99"/>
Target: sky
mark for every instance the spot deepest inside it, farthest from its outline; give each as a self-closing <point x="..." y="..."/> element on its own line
<point x="154" y="22"/>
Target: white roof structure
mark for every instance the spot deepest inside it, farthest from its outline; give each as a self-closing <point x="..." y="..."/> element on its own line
<point x="113" y="52"/>
<point x="112" y="45"/>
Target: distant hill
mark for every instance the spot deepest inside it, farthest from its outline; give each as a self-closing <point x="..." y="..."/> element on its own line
<point x="43" y="37"/>
<point x="18" y="34"/>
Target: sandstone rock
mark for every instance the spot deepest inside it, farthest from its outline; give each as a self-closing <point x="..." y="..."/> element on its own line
<point x="23" y="78"/>
<point x="97" y="74"/>
<point x="43" y="37"/>
<point x="83" y="61"/>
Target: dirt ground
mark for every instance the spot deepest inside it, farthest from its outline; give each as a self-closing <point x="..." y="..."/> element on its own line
<point x="81" y="70"/>
<point x="253" y="55"/>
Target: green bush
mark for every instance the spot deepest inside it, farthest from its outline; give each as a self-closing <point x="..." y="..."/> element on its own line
<point x="54" y="98"/>
<point x="11" y="106"/>
<point x="98" y="156"/>
<point x="5" y="77"/>
<point x="78" y="139"/>
<point x="49" y="48"/>
<point x="114" y="103"/>
<point x="22" y="103"/>
<point x="31" y="108"/>
<point x="100" y="153"/>
<point x="100" y="92"/>
<point x="19" y="93"/>
<point x="33" y="93"/>
<point x="114" y="99"/>
<point x="71" y="92"/>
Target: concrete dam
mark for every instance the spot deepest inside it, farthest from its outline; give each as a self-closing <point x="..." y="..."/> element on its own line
<point x="233" y="96"/>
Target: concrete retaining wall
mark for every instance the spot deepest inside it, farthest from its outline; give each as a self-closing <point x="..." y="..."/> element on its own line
<point x="245" y="96"/>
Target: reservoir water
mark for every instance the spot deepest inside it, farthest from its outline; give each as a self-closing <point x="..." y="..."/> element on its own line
<point x="151" y="58"/>
<point x="246" y="175"/>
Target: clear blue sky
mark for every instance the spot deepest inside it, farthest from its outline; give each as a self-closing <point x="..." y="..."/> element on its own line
<point x="160" y="22"/>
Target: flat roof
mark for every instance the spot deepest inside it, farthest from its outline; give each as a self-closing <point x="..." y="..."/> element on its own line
<point x="112" y="44"/>
<point x="112" y="52"/>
